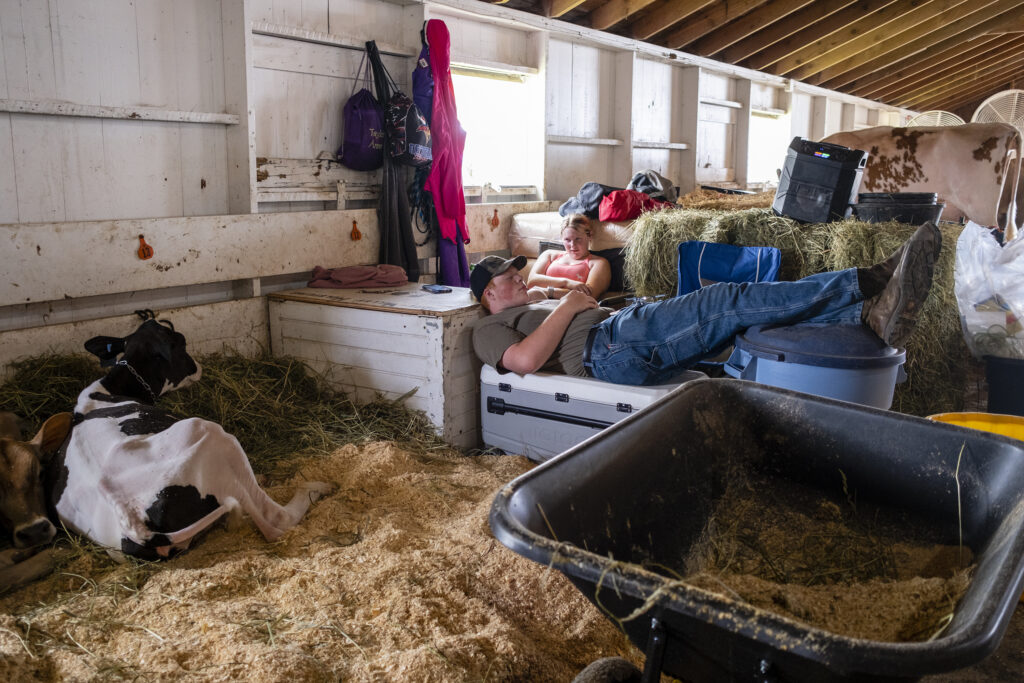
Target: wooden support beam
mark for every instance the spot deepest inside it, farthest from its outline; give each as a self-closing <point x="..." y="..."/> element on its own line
<point x="941" y="76"/>
<point x="560" y="7"/>
<point x="746" y="25"/>
<point x="814" y="31"/>
<point x="964" y="81"/>
<point x="972" y="96"/>
<point x="615" y="11"/>
<point x="780" y="30"/>
<point x="886" y="27"/>
<point x="664" y="16"/>
<point x="969" y="26"/>
<point x="54" y="108"/>
<point x="913" y="67"/>
<point x="707" y="20"/>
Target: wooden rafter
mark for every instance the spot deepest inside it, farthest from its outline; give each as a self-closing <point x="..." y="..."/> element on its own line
<point x="781" y="30"/>
<point x="966" y="27"/>
<point x="615" y="11"/>
<point x="939" y="78"/>
<point x="880" y="28"/>
<point x="966" y="82"/>
<point x="745" y="26"/>
<point x="913" y="67"/>
<point x="834" y="23"/>
<point x="664" y="15"/>
<point x="972" y="96"/>
<point x="560" y="7"/>
<point x="707" y="20"/>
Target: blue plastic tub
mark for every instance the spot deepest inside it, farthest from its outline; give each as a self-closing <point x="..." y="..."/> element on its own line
<point x="844" y="362"/>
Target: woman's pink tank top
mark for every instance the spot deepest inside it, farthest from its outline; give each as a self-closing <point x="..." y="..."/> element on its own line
<point x="576" y="271"/>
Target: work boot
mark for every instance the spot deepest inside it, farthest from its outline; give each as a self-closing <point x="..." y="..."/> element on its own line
<point x="873" y="279"/>
<point x="893" y="313"/>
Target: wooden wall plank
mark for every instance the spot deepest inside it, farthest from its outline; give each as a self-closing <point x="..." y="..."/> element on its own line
<point x="187" y="251"/>
<point x="241" y="325"/>
<point x="115" y="54"/>
<point x="386" y="23"/>
<point x="28" y="52"/>
<point x="38" y="167"/>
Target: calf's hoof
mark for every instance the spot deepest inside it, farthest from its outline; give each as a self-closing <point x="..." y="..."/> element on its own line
<point x="317" y="489"/>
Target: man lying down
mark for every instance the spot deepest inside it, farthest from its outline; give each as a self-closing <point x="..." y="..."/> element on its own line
<point x="649" y="343"/>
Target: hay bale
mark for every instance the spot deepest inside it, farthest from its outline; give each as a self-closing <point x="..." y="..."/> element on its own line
<point x="938" y="362"/>
<point x="710" y="199"/>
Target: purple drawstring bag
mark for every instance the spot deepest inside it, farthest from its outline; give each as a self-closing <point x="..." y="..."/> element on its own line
<point x="362" y="147"/>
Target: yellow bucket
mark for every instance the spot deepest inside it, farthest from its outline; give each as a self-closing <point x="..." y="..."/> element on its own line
<point x="1006" y="425"/>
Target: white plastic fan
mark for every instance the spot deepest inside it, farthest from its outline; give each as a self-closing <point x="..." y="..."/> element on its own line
<point x="1005" y="107"/>
<point x="936" y="117"/>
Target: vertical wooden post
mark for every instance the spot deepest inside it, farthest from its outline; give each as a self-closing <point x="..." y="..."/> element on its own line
<point x="241" y="138"/>
<point x="687" y="121"/>
<point x="742" y="143"/>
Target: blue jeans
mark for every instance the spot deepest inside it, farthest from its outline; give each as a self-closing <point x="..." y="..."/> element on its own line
<point x="649" y="343"/>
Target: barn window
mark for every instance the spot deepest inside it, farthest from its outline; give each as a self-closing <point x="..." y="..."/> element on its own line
<point x="503" y="116"/>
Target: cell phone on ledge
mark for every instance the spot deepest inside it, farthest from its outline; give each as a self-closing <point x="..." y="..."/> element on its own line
<point x="437" y="289"/>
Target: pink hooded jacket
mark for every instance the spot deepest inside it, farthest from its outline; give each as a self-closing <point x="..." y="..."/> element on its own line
<point x="448" y="139"/>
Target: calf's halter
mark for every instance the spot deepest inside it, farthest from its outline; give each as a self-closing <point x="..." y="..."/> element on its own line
<point x="144" y="383"/>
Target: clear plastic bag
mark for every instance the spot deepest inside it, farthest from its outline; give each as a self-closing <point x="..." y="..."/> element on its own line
<point x="989" y="288"/>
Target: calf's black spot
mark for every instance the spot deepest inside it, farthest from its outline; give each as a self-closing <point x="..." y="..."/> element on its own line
<point x="176" y="507"/>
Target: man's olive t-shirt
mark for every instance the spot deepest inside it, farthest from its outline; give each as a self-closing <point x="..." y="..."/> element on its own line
<point x="494" y="333"/>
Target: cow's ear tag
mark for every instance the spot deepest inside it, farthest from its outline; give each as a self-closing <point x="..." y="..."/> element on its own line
<point x="106" y="349"/>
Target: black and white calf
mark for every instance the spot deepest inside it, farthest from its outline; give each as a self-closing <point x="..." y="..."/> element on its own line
<point x="139" y="481"/>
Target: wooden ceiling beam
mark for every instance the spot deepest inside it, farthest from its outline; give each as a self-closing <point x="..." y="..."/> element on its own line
<point x="972" y="96"/>
<point x="808" y="34"/>
<point x="867" y="33"/>
<point x="780" y="30"/>
<point x="911" y="67"/>
<point x="707" y="20"/>
<point x="980" y="89"/>
<point x="616" y="11"/>
<point x="956" y="66"/>
<point x="744" y="26"/>
<point x="971" y="26"/>
<point x="663" y="16"/>
<point x="556" y="8"/>
<point x="965" y="82"/>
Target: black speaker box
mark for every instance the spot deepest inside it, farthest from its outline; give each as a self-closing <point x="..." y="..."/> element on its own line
<point x="819" y="181"/>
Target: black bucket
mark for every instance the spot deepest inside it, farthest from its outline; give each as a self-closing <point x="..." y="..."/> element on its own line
<point x="1005" y="385"/>
<point x="912" y="208"/>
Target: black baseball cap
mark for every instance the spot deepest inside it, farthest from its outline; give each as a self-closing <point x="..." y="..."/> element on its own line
<point x="487" y="268"/>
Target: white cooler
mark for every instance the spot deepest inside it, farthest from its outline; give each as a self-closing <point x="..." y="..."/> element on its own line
<point x="540" y="415"/>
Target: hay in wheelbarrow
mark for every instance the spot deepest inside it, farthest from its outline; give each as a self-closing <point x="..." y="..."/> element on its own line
<point x="938" y="361"/>
<point x="394" y="576"/>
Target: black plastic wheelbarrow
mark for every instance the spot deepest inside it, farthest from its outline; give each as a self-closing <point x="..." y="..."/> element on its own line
<point x="641" y="490"/>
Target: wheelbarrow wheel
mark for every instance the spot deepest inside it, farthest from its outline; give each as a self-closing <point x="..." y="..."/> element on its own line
<point x="609" y="670"/>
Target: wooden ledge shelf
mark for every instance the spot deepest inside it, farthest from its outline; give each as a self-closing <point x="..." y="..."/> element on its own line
<point x="55" y="108"/>
<point x="573" y="140"/>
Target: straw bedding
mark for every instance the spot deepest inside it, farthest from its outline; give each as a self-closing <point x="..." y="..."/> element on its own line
<point x="938" y="363"/>
<point x="395" y="576"/>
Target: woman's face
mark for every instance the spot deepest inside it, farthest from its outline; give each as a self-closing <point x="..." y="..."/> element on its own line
<point x="576" y="243"/>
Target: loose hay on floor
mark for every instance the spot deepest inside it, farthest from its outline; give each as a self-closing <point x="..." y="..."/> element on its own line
<point x="393" y="577"/>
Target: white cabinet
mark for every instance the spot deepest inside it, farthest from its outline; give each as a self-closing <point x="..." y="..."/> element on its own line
<point x="389" y="342"/>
